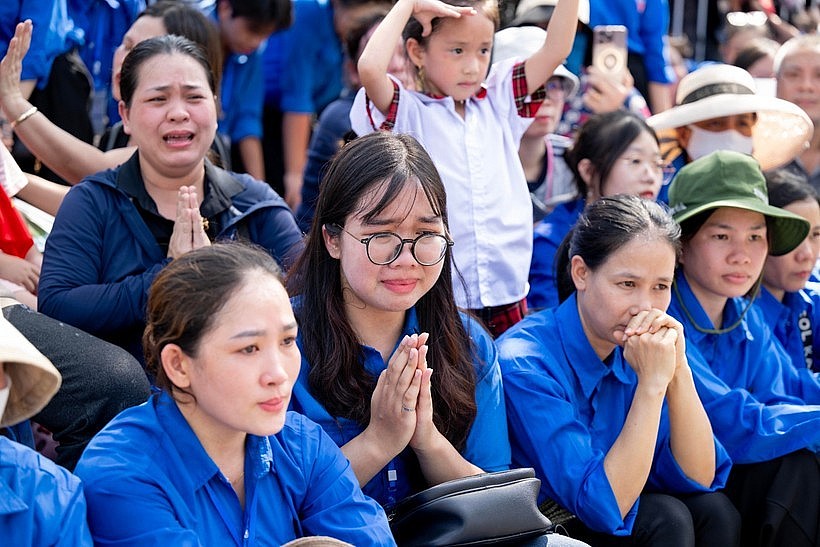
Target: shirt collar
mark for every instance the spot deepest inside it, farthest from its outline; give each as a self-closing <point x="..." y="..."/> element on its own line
<point x="373" y="361"/>
<point x="220" y="187"/>
<point x="588" y="367"/>
<point x="478" y="95"/>
<point x="200" y="465"/>
<point x="693" y="312"/>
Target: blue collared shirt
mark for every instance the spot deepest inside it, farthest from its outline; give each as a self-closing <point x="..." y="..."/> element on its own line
<point x="148" y="480"/>
<point x="795" y="322"/>
<point x="739" y="376"/>
<point x="487" y="444"/>
<point x="40" y="502"/>
<point x="566" y="408"/>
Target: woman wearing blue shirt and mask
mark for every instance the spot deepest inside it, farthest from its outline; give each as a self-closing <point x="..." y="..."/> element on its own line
<point x="600" y="397"/>
<point x="215" y="458"/>
<point x="741" y="371"/>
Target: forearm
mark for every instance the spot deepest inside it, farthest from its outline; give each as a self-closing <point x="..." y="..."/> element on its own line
<point x="250" y="148"/>
<point x="296" y="130"/>
<point x="660" y="97"/>
<point x="63" y="153"/>
<point x="691" y="438"/>
<point x="375" y="58"/>
<point x="556" y="47"/>
<point x="441" y="462"/>
<point x="629" y="460"/>
<point x="367" y="456"/>
<point x="26" y="89"/>
<point x="43" y="194"/>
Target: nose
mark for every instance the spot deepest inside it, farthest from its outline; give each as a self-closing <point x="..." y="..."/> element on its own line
<point x="471" y="65"/>
<point x="178" y="110"/>
<point x="740" y="254"/>
<point x="806" y="252"/>
<point x="405" y="257"/>
<point x="274" y="372"/>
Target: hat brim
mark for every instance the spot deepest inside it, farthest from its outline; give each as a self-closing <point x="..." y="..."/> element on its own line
<point x="34" y="380"/>
<point x="788" y="229"/>
<point x="782" y="130"/>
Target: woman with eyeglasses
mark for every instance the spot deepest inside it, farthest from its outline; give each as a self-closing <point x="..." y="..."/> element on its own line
<point x="614" y="153"/>
<point x="407" y="386"/>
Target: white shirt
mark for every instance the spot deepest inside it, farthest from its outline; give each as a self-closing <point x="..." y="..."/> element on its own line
<point x="488" y="203"/>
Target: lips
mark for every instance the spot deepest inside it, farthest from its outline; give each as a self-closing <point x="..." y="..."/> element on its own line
<point x="401" y="286"/>
<point x="276" y="404"/>
<point x="177" y="138"/>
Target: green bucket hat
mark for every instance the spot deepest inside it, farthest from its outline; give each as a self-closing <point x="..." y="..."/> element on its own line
<point x="731" y="179"/>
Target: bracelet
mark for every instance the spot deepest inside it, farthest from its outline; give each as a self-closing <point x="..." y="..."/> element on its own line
<point x="24" y="116"/>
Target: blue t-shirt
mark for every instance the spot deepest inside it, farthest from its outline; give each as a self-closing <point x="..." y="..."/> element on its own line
<point x="566" y="408"/>
<point x="487" y="444"/>
<point x="740" y="379"/>
<point x="148" y="480"/>
<point x="795" y="323"/>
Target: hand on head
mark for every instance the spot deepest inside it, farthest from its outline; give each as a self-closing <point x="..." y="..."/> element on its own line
<point x="426" y="10"/>
<point x="189" y="230"/>
<point x="401" y="408"/>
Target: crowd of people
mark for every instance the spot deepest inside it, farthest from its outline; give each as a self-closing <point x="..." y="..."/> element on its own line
<point x="270" y="267"/>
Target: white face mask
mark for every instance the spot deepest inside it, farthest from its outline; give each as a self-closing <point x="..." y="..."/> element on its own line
<point x="703" y="142"/>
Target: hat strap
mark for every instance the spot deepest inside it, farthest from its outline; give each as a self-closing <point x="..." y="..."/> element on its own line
<point x="752" y="297"/>
<point x="716" y="89"/>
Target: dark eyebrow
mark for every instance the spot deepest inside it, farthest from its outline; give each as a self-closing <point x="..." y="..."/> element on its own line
<point x="433" y="219"/>
<point x="186" y="87"/>
<point x="248" y="334"/>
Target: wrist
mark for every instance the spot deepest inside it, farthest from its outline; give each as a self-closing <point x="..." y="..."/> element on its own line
<point x="15" y="106"/>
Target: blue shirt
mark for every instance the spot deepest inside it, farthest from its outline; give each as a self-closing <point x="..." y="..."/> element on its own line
<point x="303" y="63"/>
<point x="487" y="443"/>
<point x="148" y="480"/>
<point x="566" y="408"/>
<point x="795" y="323"/>
<point x="547" y="237"/>
<point x="740" y="379"/>
<point x="40" y="502"/>
<point x="242" y="96"/>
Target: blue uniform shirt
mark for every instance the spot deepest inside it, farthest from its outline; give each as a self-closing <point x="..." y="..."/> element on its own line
<point x="547" y="237"/>
<point x="795" y="323"/>
<point x="566" y="408"/>
<point x="40" y="502"/>
<point x="149" y="480"/>
<point x="487" y="443"/>
<point x="740" y="379"/>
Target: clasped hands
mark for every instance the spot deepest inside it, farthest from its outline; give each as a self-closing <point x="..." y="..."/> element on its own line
<point x="189" y="226"/>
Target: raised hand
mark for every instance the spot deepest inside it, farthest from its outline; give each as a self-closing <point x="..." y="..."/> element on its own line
<point x="189" y="232"/>
<point x="11" y="68"/>
<point x="650" y="346"/>
<point x="424" y="11"/>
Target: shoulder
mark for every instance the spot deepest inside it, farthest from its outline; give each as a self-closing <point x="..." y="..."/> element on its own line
<point x="24" y="469"/>
<point x="531" y="338"/>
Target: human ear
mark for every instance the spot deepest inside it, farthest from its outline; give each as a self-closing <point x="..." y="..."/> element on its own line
<point x="683" y="134"/>
<point x="579" y="272"/>
<point x="176" y="365"/>
<point x="331" y="242"/>
<point x="587" y="173"/>
<point x="123" y="110"/>
<point x="415" y="52"/>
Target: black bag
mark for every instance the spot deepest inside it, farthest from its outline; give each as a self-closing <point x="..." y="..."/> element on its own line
<point x="489" y="509"/>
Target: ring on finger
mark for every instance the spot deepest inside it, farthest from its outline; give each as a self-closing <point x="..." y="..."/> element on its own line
<point x="407" y="409"/>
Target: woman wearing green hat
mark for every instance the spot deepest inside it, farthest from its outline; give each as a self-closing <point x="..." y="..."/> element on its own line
<point x="728" y="228"/>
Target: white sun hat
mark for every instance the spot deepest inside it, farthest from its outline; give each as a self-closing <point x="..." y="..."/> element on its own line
<point x="533" y="12"/>
<point x="520" y="43"/>
<point x="34" y="380"/>
<point x="781" y="132"/>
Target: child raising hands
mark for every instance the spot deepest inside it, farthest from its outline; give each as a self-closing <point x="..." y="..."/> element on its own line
<point x="471" y="126"/>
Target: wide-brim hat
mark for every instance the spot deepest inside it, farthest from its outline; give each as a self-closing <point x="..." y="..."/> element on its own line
<point x="535" y="12"/>
<point x="781" y="132"/>
<point x="520" y="43"/>
<point x="34" y="380"/>
<point x="731" y="179"/>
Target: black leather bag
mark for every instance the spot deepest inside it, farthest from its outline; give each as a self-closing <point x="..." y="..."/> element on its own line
<point x="489" y="509"/>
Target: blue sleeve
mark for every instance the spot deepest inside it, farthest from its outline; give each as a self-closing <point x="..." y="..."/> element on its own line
<point x="244" y="113"/>
<point x="151" y="517"/>
<point x="334" y="504"/>
<point x="653" y="29"/>
<point x="73" y="527"/>
<point x="78" y="251"/>
<point x="752" y="431"/>
<point x="46" y="44"/>
<point x="488" y="444"/>
<point x="546" y="435"/>
<point x="543" y="282"/>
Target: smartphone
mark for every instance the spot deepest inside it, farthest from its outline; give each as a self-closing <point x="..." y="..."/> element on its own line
<point x="609" y="49"/>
